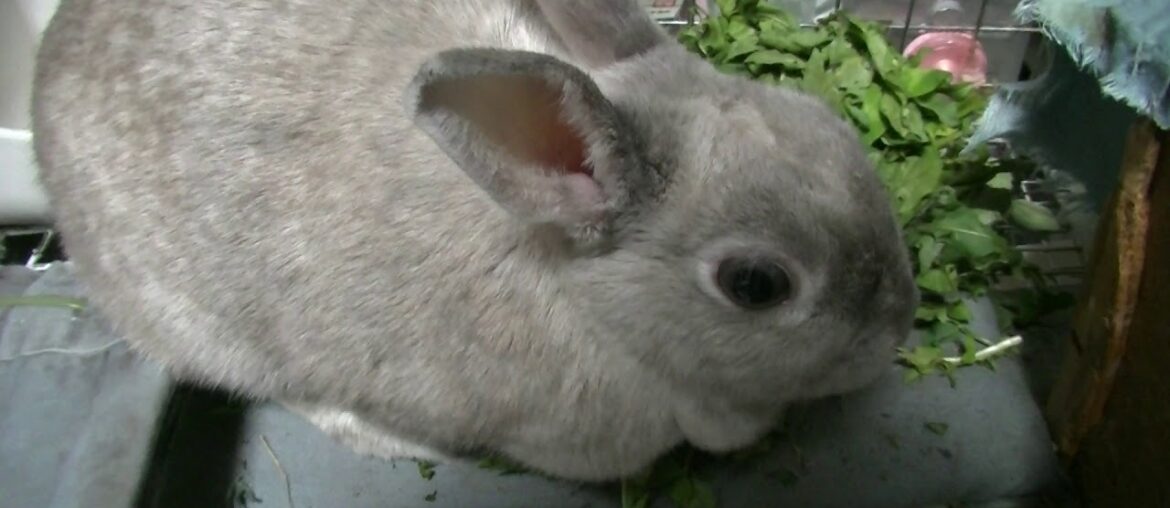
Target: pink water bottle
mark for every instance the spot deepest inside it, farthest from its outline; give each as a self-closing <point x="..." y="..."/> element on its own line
<point x="958" y="53"/>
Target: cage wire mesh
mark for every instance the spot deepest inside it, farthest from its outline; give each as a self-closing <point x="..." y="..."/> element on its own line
<point x="1006" y="42"/>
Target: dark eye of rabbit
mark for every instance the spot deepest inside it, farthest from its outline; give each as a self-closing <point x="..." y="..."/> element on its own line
<point x="752" y="283"/>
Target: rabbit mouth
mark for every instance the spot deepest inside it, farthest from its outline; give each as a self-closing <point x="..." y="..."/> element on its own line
<point x="855" y="368"/>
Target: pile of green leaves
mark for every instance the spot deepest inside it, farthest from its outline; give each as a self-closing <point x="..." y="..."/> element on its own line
<point x="952" y="207"/>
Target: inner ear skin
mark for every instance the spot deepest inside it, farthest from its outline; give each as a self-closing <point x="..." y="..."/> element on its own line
<point x="520" y="114"/>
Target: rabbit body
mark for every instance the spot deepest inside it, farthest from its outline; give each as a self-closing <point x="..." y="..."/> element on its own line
<point x="361" y="208"/>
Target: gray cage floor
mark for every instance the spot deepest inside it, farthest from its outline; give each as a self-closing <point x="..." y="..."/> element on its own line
<point x="93" y="427"/>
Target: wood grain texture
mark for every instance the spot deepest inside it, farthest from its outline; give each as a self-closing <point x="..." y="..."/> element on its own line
<point x="1110" y="410"/>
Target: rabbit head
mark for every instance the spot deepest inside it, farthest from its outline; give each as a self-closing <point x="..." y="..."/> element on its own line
<point x="730" y="235"/>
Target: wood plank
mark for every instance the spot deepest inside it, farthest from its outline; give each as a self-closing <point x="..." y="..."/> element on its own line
<point x="1105" y="311"/>
<point x="1124" y="460"/>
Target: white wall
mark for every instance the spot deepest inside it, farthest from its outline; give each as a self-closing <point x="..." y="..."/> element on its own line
<point x="22" y="201"/>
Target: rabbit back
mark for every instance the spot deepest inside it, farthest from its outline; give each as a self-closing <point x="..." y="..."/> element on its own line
<point x="246" y="201"/>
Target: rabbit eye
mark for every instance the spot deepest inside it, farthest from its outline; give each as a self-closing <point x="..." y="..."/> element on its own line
<point x="753" y="284"/>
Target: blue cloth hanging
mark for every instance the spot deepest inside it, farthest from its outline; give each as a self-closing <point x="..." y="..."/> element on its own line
<point x="1116" y="65"/>
<point x="1061" y="120"/>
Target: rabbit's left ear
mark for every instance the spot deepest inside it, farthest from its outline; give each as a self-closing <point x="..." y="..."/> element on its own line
<point x="534" y="132"/>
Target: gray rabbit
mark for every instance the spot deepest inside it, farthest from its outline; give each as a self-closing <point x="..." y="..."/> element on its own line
<point x="438" y="228"/>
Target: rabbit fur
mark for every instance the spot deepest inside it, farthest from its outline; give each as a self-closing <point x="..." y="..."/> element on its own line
<point x="446" y="227"/>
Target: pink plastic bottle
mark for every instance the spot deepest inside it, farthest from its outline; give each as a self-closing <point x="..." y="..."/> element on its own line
<point x="958" y="53"/>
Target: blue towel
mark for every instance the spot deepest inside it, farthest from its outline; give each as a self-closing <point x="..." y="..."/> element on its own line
<point x="1074" y="117"/>
<point x="1125" y="43"/>
<point x="1062" y="121"/>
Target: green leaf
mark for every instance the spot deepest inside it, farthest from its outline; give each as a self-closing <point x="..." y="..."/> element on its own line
<point x="430" y="498"/>
<point x="880" y="53"/>
<point x="741" y="46"/>
<point x="941" y="332"/>
<point x="732" y="68"/>
<point x="773" y="57"/>
<point x="911" y="375"/>
<point x="426" y="469"/>
<point x="838" y="51"/>
<point x="726" y="7"/>
<point x="959" y="311"/>
<point x="853" y="73"/>
<point x="1032" y="216"/>
<point x="1001" y="181"/>
<point x="738" y="28"/>
<point x="913" y="180"/>
<point x="777" y="26"/>
<point x="970" y="348"/>
<point x="635" y="492"/>
<point x="892" y="112"/>
<point x="923" y="358"/>
<point x="501" y="466"/>
<point x="713" y="42"/>
<point x="928" y="252"/>
<point x="939" y="428"/>
<point x="857" y="114"/>
<point x="969" y="234"/>
<point x="915" y="125"/>
<point x="765" y="9"/>
<point x="688" y="492"/>
<point x="917" y="82"/>
<point x="943" y="108"/>
<point x="988" y="217"/>
<point x="801" y="42"/>
<point x="808" y="39"/>
<point x="873" y="127"/>
<point x="930" y="312"/>
<point x="937" y="281"/>
<point x="818" y="82"/>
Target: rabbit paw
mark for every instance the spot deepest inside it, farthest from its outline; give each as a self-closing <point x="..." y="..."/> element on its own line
<point x="720" y="431"/>
<point x="362" y="437"/>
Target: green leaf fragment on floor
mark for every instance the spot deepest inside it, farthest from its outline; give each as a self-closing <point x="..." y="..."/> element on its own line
<point x="938" y="428"/>
<point x="502" y="466"/>
<point x="426" y="469"/>
<point x="690" y="492"/>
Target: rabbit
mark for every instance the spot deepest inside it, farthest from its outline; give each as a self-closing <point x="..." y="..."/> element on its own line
<point x="540" y="229"/>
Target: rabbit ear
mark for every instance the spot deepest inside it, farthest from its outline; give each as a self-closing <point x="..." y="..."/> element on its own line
<point x="601" y="32"/>
<point x="534" y="132"/>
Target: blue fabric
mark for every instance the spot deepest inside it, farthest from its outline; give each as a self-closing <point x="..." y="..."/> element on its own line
<point x="1074" y="117"/>
<point x="1125" y="43"/>
<point x="1062" y="121"/>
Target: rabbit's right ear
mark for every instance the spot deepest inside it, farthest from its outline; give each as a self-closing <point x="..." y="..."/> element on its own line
<point x="599" y="33"/>
<point x="534" y="132"/>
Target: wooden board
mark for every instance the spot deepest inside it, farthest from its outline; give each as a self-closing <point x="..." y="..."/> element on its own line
<point x="1110" y="410"/>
